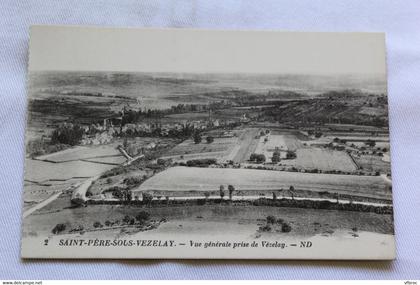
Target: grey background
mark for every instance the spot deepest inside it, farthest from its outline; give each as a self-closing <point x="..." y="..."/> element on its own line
<point x="399" y="19"/>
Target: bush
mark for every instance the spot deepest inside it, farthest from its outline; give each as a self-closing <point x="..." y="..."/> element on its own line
<point x="114" y="172"/>
<point x="204" y="162"/>
<point x="164" y="162"/>
<point x="265" y="228"/>
<point x="107" y="223"/>
<point x="97" y="225"/>
<point x="290" y="154"/>
<point x="133" y="181"/>
<point x="370" y="143"/>
<point x="285" y="228"/>
<point x="142" y="216"/>
<point x="210" y="139"/>
<point x="201" y="202"/>
<point x="318" y="134"/>
<point x="271" y="219"/>
<point x="126" y="219"/>
<point x="58" y="228"/>
<point x="324" y="204"/>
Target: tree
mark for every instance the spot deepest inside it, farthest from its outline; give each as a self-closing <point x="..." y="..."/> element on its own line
<point x="147" y="198"/>
<point x="231" y="189"/>
<point x="209" y="139"/>
<point x="253" y="157"/>
<point x="292" y="192"/>
<point x="206" y="195"/>
<point x="222" y="191"/>
<point x="274" y="196"/>
<point x="276" y="157"/>
<point x="260" y="158"/>
<point x="128" y="195"/>
<point x="197" y="137"/>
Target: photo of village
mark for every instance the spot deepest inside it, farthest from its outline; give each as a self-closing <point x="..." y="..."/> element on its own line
<point x="264" y="157"/>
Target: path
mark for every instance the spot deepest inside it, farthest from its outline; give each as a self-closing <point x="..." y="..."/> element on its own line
<point x="79" y="194"/>
<point x="41" y="205"/>
<point x="248" y="144"/>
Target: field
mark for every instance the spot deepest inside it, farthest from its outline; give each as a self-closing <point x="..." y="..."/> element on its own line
<point x="284" y="142"/>
<point x="209" y="179"/>
<point x="322" y="159"/>
<point x="373" y="163"/>
<point x="220" y="148"/>
<point x="41" y="171"/>
<point x="82" y="152"/>
<point x="237" y="148"/>
<point x="243" y="221"/>
<point x="35" y="193"/>
<point x="53" y="173"/>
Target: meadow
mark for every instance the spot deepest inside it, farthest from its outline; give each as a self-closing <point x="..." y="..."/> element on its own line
<point x="245" y="220"/>
<point x="219" y="148"/>
<point x="209" y="179"/>
<point x="322" y="159"/>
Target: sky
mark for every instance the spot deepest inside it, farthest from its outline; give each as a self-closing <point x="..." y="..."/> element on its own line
<point x="203" y="51"/>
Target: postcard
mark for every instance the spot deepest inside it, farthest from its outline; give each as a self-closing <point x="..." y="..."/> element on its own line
<point x="200" y="144"/>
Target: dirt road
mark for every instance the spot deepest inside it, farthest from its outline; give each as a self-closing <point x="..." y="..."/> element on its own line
<point x="248" y="143"/>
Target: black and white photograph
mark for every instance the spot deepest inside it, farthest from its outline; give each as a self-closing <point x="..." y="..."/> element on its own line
<point x="179" y="143"/>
